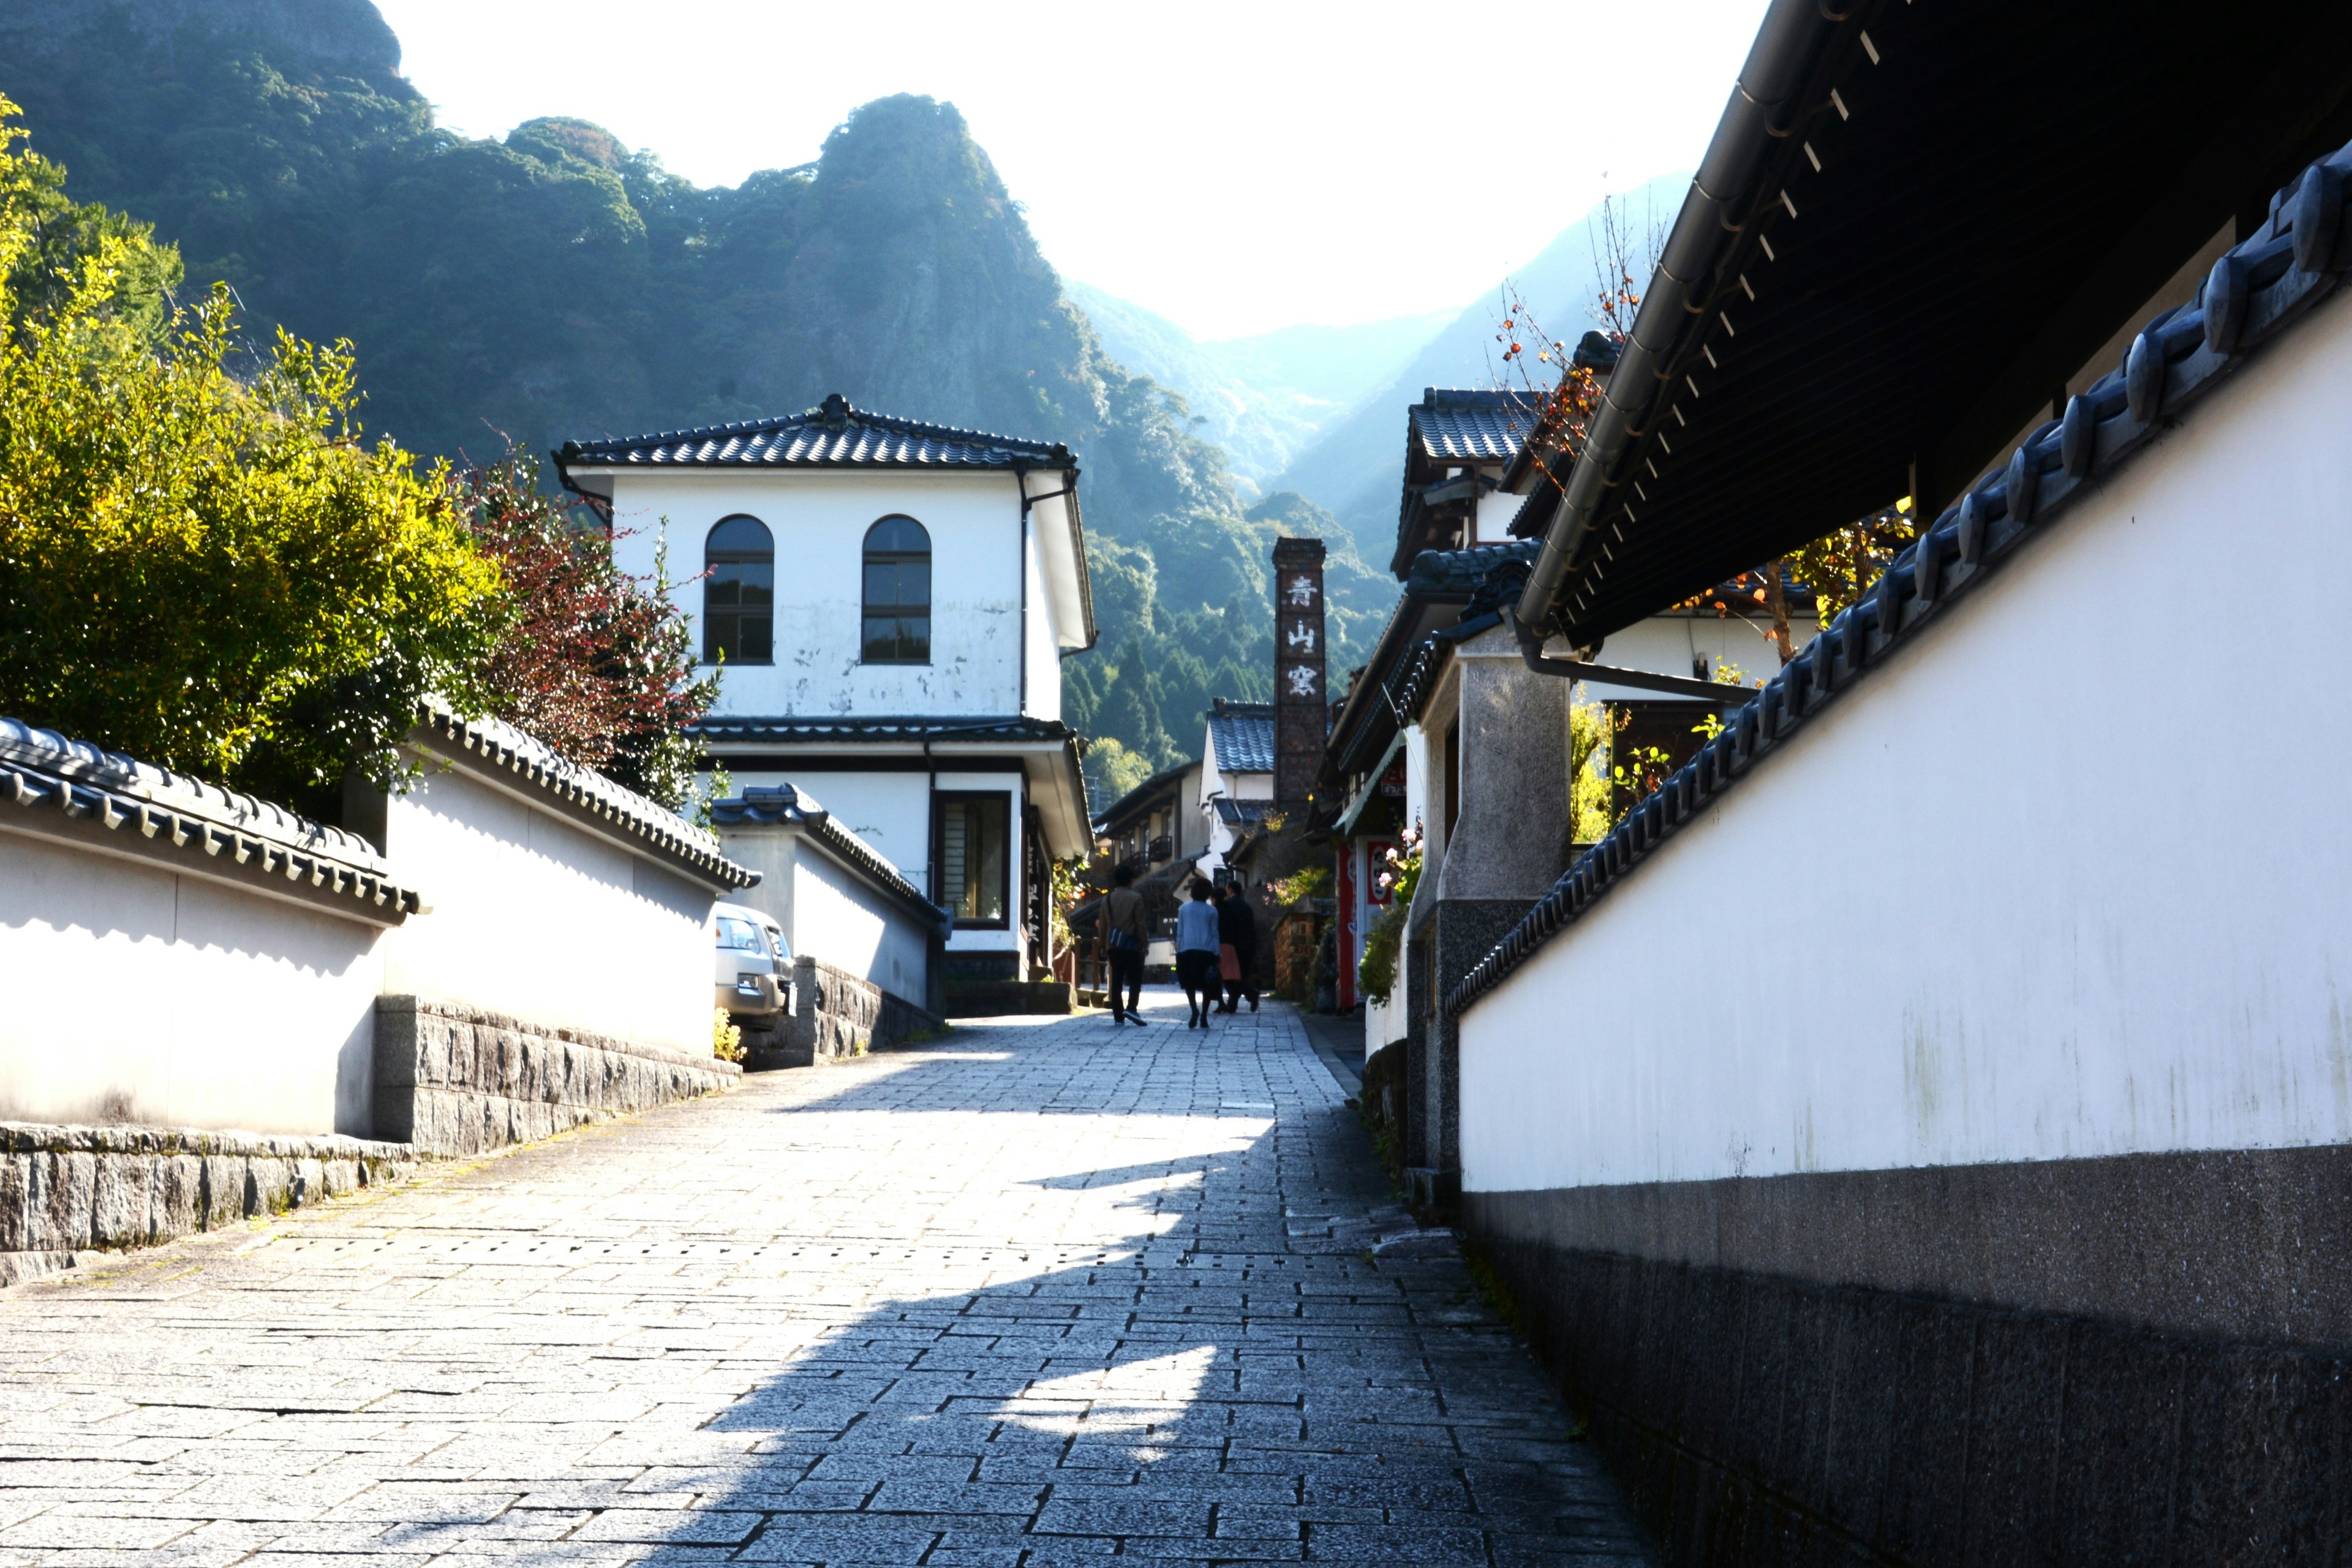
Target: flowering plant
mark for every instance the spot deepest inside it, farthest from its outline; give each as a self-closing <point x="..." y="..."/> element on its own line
<point x="1399" y="875"/>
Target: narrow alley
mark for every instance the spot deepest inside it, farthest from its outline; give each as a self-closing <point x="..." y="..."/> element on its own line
<point x="1041" y="1293"/>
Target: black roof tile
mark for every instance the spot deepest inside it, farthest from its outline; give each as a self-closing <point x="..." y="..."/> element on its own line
<point x="1471" y="424"/>
<point x="1243" y="734"/>
<point x="832" y="434"/>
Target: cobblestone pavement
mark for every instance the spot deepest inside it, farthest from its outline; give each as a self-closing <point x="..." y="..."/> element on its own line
<point x="1050" y="1293"/>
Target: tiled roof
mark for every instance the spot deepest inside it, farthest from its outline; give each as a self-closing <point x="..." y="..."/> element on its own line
<point x="1875" y="279"/>
<point x="40" y="769"/>
<point x="788" y="728"/>
<point x="832" y="435"/>
<point x="1243" y="734"/>
<point x="1468" y="425"/>
<point x="2257" y="290"/>
<point x="535" y="763"/>
<point x="788" y="804"/>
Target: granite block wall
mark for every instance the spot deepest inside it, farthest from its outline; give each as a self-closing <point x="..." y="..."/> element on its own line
<point x="65" y="1189"/>
<point x="452" y="1079"/>
<point x="835" y="1014"/>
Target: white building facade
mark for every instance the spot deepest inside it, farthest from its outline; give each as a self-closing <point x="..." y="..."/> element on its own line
<point x="887" y="604"/>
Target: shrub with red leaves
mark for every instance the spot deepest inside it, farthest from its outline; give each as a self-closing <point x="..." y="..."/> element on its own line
<point x="596" y="663"/>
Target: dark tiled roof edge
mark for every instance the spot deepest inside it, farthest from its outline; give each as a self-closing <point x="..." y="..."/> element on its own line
<point x="42" y="768"/>
<point x="502" y="747"/>
<point x="2256" y="291"/>
<point x="790" y="803"/>
<point x="787" y="726"/>
<point x="835" y="414"/>
<point x="1152" y="786"/>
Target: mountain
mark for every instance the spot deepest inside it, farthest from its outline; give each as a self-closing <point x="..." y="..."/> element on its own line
<point x="558" y="283"/>
<point x="1356" y="467"/>
<point x="1263" y="399"/>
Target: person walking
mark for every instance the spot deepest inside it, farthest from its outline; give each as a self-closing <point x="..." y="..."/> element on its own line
<point x="1126" y="935"/>
<point x="1196" y="953"/>
<point x="1236" y="947"/>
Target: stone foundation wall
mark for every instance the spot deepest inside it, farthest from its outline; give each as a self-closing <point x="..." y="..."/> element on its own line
<point x="67" y="1189"/>
<point x="834" y="1015"/>
<point x="452" y="1079"/>
<point x="2130" y="1359"/>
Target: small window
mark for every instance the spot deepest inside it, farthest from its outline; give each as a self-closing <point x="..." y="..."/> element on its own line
<point x="972" y="852"/>
<point x="739" y="936"/>
<point x="897" y="593"/>
<point x="739" y="596"/>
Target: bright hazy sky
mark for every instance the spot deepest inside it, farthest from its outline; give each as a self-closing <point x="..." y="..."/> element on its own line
<point x="1235" y="167"/>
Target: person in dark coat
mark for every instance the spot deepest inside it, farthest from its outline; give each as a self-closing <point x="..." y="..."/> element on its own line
<point x="1126" y="935"/>
<point x="1237" y="946"/>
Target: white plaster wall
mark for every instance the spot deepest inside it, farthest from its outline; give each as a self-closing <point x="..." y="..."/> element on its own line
<point x="890" y="811"/>
<point x="819" y="520"/>
<point x="1043" y="648"/>
<point x="2036" y="898"/>
<point x="1416" y="775"/>
<point x="1495" y="511"/>
<point x="534" y="915"/>
<point x="1667" y="645"/>
<point x="138" y="994"/>
<point x="840" y="921"/>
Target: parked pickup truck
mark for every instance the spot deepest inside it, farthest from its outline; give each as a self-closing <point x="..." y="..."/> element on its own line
<point x="752" y="978"/>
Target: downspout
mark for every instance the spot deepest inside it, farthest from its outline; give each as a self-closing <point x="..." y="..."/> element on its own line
<point x="1531" y="652"/>
<point x="1021" y="483"/>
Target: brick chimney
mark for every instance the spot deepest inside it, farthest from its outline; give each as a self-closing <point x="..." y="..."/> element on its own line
<point x="1301" y="711"/>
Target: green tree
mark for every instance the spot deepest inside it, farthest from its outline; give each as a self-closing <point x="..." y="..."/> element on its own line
<point x="212" y="573"/>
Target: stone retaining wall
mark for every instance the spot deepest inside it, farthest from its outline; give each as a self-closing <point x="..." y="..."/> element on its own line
<point x="453" y="1080"/>
<point x="65" y="1189"/>
<point x="834" y="1015"/>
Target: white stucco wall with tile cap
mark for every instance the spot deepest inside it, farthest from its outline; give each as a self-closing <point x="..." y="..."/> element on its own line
<point x="2039" y="914"/>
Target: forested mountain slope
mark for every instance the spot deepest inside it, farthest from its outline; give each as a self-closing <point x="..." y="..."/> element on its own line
<point x="1263" y="399"/>
<point x="558" y="283"/>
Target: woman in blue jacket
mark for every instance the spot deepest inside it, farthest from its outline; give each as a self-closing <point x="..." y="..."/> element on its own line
<point x="1196" y="953"/>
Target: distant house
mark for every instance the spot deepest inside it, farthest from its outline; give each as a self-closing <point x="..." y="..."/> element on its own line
<point x="1236" y="782"/>
<point x="1411" y="742"/>
<point x="1460" y="444"/>
<point x="1156" y="827"/>
<point x="889" y="601"/>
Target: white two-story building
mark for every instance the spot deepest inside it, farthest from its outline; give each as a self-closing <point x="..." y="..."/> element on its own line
<point x="888" y="603"/>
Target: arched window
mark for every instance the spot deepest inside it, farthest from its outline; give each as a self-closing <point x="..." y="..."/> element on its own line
<point x="739" y="596"/>
<point x="897" y="593"/>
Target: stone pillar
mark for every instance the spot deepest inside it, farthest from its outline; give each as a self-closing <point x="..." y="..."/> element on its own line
<point x="1301" y="712"/>
<point x="1510" y="842"/>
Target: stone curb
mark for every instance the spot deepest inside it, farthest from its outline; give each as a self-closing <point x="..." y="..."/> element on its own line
<point x="64" y="1188"/>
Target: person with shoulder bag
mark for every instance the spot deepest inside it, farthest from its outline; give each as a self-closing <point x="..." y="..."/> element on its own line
<point x="1125" y="937"/>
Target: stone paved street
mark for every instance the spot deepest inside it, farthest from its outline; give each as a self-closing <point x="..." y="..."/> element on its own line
<point x="1046" y="1293"/>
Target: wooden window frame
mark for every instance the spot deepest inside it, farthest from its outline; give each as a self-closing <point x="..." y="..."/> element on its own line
<point x="900" y="611"/>
<point x="712" y="560"/>
<point x="1002" y="801"/>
